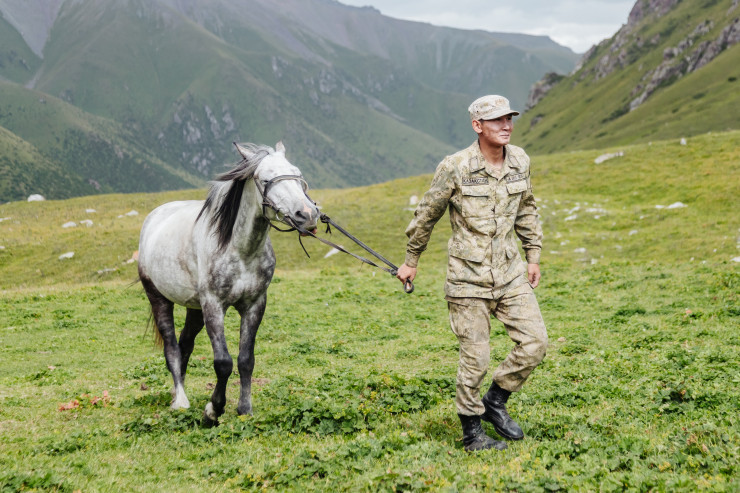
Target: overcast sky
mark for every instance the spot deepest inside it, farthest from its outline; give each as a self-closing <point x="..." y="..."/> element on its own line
<point x="577" y="24"/>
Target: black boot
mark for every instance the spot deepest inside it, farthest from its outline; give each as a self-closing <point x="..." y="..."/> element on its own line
<point x="474" y="438"/>
<point x="496" y="414"/>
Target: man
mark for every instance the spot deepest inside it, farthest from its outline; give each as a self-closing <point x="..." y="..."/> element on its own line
<point x="489" y="194"/>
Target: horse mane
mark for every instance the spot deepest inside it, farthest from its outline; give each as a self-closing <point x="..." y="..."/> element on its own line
<point x="225" y="194"/>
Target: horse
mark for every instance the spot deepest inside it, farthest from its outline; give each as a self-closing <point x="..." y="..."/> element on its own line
<point x="210" y="255"/>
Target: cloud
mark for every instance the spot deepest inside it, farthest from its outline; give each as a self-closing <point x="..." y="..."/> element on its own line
<point x="575" y="24"/>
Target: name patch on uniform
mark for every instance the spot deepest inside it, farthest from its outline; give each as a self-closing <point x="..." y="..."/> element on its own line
<point x="475" y="180"/>
<point x="517" y="177"/>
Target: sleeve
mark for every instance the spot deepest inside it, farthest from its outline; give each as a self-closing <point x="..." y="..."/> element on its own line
<point x="431" y="208"/>
<point x="527" y="226"/>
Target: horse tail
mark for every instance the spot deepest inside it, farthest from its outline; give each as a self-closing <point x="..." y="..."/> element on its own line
<point x="151" y="323"/>
<point x="156" y="335"/>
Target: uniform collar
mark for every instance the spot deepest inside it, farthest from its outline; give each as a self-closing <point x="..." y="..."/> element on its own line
<point x="478" y="162"/>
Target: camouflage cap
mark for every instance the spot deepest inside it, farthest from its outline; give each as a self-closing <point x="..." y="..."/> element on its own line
<point x="490" y="107"/>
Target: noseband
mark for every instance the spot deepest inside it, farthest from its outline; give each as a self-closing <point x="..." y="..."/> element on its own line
<point x="267" y="202"/>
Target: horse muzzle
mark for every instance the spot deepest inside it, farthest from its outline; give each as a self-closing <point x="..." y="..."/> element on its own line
<point x="305" y="221"/>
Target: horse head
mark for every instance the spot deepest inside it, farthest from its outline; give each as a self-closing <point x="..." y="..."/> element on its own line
<point x="283" y="189"/>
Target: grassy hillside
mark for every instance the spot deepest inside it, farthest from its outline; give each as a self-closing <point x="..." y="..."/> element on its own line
<point x="589" y="111"/>
<point x="72" y="152"/>
<point x="354" y="380"/>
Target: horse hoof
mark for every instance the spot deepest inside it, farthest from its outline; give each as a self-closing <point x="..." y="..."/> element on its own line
<point x="180" y="401"/>
<point x="208" y="422"/>
<point x="210" y="418"/>
<point x="244" y="411"/>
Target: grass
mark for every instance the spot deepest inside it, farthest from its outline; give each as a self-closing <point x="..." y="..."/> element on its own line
<point x="354" y="381"/>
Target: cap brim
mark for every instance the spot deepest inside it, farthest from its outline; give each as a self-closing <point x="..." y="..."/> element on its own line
<point x="497" y="114"/>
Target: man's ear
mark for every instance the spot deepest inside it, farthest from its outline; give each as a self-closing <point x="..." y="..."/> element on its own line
<point x="477" y="126"/>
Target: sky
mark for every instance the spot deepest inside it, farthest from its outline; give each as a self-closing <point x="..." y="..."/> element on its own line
<point x="577" y="24"/>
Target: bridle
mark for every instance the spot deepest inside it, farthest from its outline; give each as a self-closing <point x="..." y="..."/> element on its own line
<point x="267" y="202"/>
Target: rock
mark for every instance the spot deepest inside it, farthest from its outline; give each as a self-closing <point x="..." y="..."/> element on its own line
<point x="331" y="252"/>
<point x="683" y="141"/>
<point x="413" y="200"/>
<point x="86" y="222"/>
<point x="132" y="213"/>
<point x="571" y="217"/>
<point x="736" y="259"/>
<point x="90" y="211"/>
<point x="562" y="339"/>
<point x="606" y="157"/>
<point x="70" y="224"/>
<point x="579" y="250"/>
<point x="541" y="88"/>
<point x="36" y="198"/>
<point x="66" y="255"/>
<point x="676" y="205"/>
<point x="4" y="219"/>
<point x="633" y="232"/>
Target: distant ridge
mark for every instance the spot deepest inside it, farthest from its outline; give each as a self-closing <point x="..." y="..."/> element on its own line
<point x="357" y="97"/>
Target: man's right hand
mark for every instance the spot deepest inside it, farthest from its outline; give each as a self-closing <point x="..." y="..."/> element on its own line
<point x="406" y="273"/>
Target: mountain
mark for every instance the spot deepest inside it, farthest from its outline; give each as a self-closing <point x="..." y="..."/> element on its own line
<point x="357" y="97"/>
<point x="672" y="71"/>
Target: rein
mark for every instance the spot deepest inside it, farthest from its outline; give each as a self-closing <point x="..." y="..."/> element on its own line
<point x="266" y="202"/>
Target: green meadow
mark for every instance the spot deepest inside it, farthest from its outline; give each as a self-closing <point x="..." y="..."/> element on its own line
<point x="354" y="382"/>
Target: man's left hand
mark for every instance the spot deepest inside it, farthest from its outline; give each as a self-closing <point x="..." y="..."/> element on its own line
<point x="533" y="275"/>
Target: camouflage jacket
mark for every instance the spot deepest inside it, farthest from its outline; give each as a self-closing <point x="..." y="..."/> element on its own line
<point x="486" y="209"/>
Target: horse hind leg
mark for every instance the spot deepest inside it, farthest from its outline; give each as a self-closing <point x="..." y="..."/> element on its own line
<point x="162" y="311"/>
<point x="193" y="326"/>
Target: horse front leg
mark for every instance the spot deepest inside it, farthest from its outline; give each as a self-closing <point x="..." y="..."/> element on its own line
<point x="251" y="318"/>
<point x="213" y="315"/>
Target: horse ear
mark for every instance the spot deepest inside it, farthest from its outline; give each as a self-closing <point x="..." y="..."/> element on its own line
<point x="279" y="147"/>
<point x="244" y="151"/>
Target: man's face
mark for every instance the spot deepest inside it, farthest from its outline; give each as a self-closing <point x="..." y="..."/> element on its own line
<point x="495" y="132"/>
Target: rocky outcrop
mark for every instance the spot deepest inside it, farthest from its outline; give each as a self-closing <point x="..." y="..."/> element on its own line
<point x="643" y="8"/>
<point x="541" y="88"/>
<point x="681" y="59"/>
<point x="625" y="47"/>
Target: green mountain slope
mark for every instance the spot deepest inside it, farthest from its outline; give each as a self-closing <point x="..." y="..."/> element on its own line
<point x="668" y="73"/>
<point x="55" y="149"/>
<point x="18" y="62"/>
<point x="356" y="97"/>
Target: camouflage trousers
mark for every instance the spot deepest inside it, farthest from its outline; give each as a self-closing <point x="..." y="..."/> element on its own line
<point x="470" y="320"/>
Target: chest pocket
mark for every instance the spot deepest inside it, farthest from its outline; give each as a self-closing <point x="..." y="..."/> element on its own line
<point x="517" y="186"/>
<point x="514" y="191"/>
<point x="476" y="200"/>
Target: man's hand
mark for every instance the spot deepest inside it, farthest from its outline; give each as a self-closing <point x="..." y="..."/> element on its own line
<point x="406" y="273"/>
<point x="533" y="274"/>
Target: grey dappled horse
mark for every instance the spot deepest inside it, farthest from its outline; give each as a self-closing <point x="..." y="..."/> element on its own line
<point x="208" y="256"/>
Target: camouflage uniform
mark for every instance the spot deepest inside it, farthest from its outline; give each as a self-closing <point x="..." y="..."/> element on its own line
<point x="485" y="273"/>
